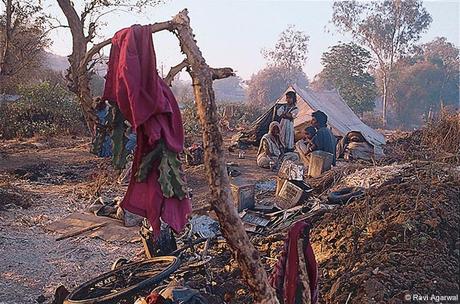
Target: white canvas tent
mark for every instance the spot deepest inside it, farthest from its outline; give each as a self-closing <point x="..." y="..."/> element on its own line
<point x="341" y="117"/>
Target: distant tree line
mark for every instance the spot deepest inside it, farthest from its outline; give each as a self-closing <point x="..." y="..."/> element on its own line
<point x="383" y="62"/>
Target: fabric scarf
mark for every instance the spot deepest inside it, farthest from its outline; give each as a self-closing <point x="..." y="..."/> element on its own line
<point x="285" y="277"/>
<point x="149" y="105"/>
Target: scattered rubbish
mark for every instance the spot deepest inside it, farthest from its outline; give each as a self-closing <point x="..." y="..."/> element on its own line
<point x="76" y="233"/>
<point x="243" y="194"/>
<point x="194" y="155"/>
<point x="130" y="219"/>
<point x="204" y="226"/>
<point x="266" y="204"/>
<point x="183" y="295"/>
<point x="118" y="263"/>
<point x="374" y="177"/>
<point x="291" y="171"/>
<point x="266" y="185"/>
<point x="102" y="208"/>
<point x="60" y="295"/>
<point x="241" y="154"/>
<point x="233" y="172"/>
<point x="113" y="231"/>
<point x="254" y="218"/>
<point x="163" y="245"/>
<point x="320" y="161"/>
<point x="123" y="283"/>
<point x="345" y="195"/>
<point x="292" y="192"/>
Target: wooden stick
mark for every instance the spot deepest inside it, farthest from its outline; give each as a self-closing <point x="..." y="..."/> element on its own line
<point x="72" y="234"/>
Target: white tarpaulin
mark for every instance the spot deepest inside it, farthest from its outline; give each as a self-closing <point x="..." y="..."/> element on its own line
<point x="341" y="117"/>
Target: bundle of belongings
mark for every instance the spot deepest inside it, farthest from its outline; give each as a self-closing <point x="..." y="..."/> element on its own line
<point x="157" y="188"/>
<point x="295" y="276"/>
<point x="354" y="146"/>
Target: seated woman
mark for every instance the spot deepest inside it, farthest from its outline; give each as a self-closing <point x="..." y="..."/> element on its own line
<point x="271" y="151"/>
<point x="305" y="146"/>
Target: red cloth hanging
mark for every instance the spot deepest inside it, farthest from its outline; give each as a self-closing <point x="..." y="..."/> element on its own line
<point x="146" y="101"/>
<point x="285" y="276"/>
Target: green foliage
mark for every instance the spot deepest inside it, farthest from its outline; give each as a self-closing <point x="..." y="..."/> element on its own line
<point x="345" y="67"/>
<point x="22" y="44"/>
<point x="242" y="115"/>
<point x="190" y="118"/>
<point x="41" y="110"/>
<point x="387" y="27"/>
<point x="425" y="82"/>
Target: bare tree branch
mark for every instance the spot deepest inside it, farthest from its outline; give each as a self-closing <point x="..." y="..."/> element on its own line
<point x="174" y="71"/>
<point x="222" y="73"/>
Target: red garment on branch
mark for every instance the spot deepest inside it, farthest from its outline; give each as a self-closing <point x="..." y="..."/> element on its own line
<point x="149" y="105"/>
<point x="285" y="277"/>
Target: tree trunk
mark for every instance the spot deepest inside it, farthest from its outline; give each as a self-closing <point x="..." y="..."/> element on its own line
<point x="78" y="74"/>
<point x="7" y="39"/>
<point x="202" y="77"/>
<point x="385" y="99"/>
<point x="221" y="200"/>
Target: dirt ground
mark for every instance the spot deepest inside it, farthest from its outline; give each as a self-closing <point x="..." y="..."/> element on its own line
<point x="42" y="181"/>
<point x="400" y="238"/>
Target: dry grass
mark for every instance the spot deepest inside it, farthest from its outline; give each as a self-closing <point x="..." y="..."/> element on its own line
<point x="439" y="141"/>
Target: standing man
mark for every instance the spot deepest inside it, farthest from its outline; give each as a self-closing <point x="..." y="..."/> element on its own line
<point x="324" y="140"/>
<point x="288" y="113"/>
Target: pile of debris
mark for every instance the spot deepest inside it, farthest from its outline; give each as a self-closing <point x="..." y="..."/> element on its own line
<point x="401" y="238"/>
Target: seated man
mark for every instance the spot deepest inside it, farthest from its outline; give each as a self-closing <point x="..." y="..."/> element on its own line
<point x="324" y="140"/>
<point x="305" y="146"/>
<point x="271" y="151"/>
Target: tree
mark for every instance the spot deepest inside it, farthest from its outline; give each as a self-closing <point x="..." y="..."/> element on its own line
<point x="284" y="68"/>
<point x="445" y="56"/>
<point x="268" y="84"/>
<point x="83" y="27"/>
<point x="220" y="195"/>
<point x="426" y="81"/>
<point x="345" y="69"/>
<point x="290" y="51"/>
<point x="229" y="89"/>
<point x="23" y="30"/>
<point x="388" y="28"/>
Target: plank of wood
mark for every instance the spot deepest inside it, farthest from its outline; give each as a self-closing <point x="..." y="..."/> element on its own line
<point x="75" y="233"/>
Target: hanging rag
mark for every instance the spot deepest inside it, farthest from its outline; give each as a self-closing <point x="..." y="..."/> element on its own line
<point x="294" y="273"/>
<point x="144" y="99"/>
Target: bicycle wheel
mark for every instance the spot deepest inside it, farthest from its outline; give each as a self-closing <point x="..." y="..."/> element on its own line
<point x="124" y="282"/>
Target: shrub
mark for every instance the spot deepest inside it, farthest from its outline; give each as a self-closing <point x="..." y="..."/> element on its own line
<point x="42" y="109"/>
<point x="242" y="115"/>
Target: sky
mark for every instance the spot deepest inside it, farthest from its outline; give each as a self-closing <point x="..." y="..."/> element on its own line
<point x="233" y="32"/>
